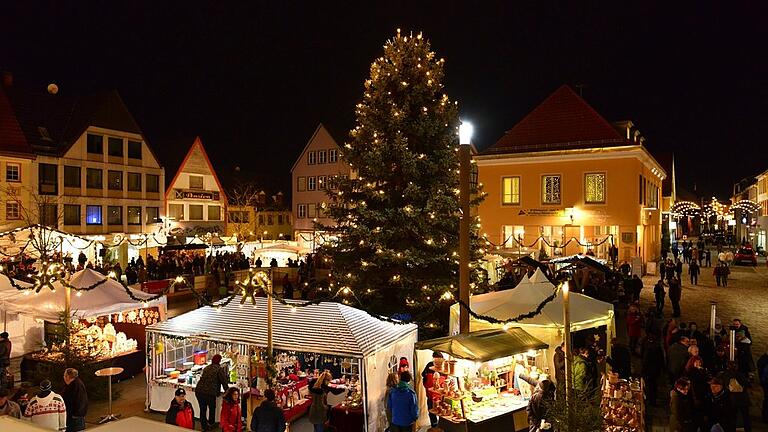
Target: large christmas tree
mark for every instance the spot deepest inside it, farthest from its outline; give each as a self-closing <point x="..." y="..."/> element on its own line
<point x="396" y="238"/>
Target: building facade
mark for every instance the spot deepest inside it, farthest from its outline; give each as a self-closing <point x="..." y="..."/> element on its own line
<point x="761" y="239"/>
<point x="265" y="219"/>
<point x="89" y="170"/>
<point x="195" y="200"/>
<point x="313" y="176"/>
<point x="745" y="222"/>
<point x="566" y="174"/>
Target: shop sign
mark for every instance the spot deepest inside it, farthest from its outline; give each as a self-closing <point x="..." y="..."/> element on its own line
<point x="542" y="212"/>
<point x="201" y="195"/>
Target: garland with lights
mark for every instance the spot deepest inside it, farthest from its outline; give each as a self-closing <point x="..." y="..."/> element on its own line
<point x="518" y="318"/>
<point x="543" y="239"/>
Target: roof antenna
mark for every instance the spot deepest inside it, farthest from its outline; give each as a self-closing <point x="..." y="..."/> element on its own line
<point x="580" y="88"/>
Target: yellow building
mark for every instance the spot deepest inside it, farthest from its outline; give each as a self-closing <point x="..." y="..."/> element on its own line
<point x="263" y="220"/>
<point x="16" y="156"/>
<point x="566" y="174"/>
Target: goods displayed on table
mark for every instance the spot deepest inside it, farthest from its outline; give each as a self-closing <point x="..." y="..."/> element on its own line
<point x="92" y="341"/>
<point x="622" y="405"/>
<point x="466" y="390"/>
<point x="188" y="373"/>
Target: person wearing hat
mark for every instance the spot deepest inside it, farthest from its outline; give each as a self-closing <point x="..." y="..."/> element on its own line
<point x="427" y="378"/>
<point x="719" y="407"/>
<point x="5" y="357"/>
<point x="47" y="409"/>
<point x="181" y="413"/>
<point x="213" y="381"/>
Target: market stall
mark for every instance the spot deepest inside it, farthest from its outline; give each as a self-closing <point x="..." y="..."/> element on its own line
<point x="113" y="322"/>
<point x="586" y="312"/>
<point x="479" y="386"/>
<point x="356" y="347"/>
<point x="622" y="404"/>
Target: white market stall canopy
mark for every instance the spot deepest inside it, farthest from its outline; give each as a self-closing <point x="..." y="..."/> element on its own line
<point x="30" y="239"/>
<point x="325" y="328"/>
<point x="107" y="298"/>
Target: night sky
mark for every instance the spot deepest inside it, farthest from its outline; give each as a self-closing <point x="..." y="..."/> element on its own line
<point x="255" y="81"/>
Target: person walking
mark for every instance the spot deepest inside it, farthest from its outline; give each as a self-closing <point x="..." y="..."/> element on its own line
<point x="663" y="268"/>
<point x="403" y="404"/>
<point x="47" y="409"/>
<point x="181" y="413"/>
<point x="5" y="358"/>
<point x="724" y="272"/>
<point x="75" y="399"/>
<point x="708" y="258"/>
<point x="231" y="418"/>
<point x="268" y="417"/>
<point x="679" y="269"/>
<point x="693" y="271"/>
<point x="717" y="273"/>
<point x="680" y="409"/>
<point x="7" y="406"/>
<point x="213" y="381"/>
<point x="675" y="293"/>
<point x="659" y="294"/>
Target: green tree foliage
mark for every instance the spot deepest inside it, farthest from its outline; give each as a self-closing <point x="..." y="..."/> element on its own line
<point x="395" y="243"/>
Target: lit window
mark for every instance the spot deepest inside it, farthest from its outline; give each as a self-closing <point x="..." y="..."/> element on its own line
<point x="93" y="215"/>
<point x="176" y="211"/>
<point x="321" y="183"/>
<point x="510" y="190"/>
<point x="594" y="188"/>
<point x="134" y="215"/>
<point x="550" y="189"/>
<point x="153" y="215"/>
<point x="114" y="215"/>
<point x="12" y="210"/>
<point x="115" y="180"/>
<point x="12" y="172"/>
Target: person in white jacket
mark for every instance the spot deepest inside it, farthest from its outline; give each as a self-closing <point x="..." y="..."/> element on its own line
<point x="47" y="409"/>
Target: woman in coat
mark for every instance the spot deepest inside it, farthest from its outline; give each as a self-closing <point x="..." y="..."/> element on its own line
<point x="231" y="418"/>
<point x="318" y="411"/>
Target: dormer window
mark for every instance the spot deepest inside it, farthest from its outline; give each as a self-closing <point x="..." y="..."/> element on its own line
<point x="44" y="135"/>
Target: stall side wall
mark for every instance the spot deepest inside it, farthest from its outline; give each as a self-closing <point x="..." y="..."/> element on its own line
<point x="25" y="332"/>
<point x="376" y="371"/>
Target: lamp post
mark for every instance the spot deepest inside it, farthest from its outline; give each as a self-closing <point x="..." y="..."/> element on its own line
<point x="465" y="138"/>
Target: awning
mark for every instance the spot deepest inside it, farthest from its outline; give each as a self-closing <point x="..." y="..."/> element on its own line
<point x="484" y="345"/>
<point x="583" y="259"/>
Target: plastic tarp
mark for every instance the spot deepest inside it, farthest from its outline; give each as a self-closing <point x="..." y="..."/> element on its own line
<point x="484" y="345"/>
<point x="107" y="298"/>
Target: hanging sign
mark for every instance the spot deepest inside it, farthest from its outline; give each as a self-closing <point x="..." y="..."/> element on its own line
<point x="188" y="194"/>
<point x="541" y="212"/>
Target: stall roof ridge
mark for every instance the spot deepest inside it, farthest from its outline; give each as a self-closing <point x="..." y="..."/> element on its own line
<point x="327" y="328"/>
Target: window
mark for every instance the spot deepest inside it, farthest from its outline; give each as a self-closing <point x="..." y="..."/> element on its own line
<point x="333" y="156"/>
<point x="594" y="188"/>
<point x="134" y="215"/>
<point x="321" y="183"/>
<point x="134" y="182"/>
<point x="237" y="216"/>
<point x="153" y="215"/>
<point x="261" y="219"/>
<point x="301" y="184"/>
<point x="153" y="183"/>
<point x="95" y="144"/>
<point x="195" y="182"/>
<point x="550" y="189"/>
<point x="641" y="192"/>
<point x="12" y="172"/>
<point x="214" y="212"/>
<point x="311" y="183"/>
<point x="134" y="149"/>
<point x="176" y="211"/>
<point x="510" y="187"/>
<point x="115" y="180"/>
<point x="280" y="219"/>
<point x="12" y="210"/>
<point x="195" y="212"/>
<point x="115" y="146"/>
<point x="270" y="220"/>
<point x="71" y="176"/>
<point x="311" y="158"/>
<point x="48" y="179"/>
<point x="71" y="214"/>
<point x="48" y="215"/>
<point x="92" y="215"/>
<point x="93" y="178"/>
<point x="114" y="215"/>
<point x="321" y="156"/>
<point x="302" y="211"/>
<point x="332" y="182"/>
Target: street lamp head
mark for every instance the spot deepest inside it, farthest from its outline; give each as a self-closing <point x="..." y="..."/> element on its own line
<point x="465" y="133"/>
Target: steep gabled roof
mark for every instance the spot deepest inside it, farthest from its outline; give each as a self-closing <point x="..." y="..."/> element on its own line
<point x="320" y="129"/>
<point x="562" y="121"/>
<point x="197" y="144"/>
<point x="12" y="139"/>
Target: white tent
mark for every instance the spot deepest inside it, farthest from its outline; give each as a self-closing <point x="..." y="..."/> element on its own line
<point x="24" y="331"/>
<point x="326" y="328"/>
<point x="107" y="298"/>
<point x="547" y="326"/>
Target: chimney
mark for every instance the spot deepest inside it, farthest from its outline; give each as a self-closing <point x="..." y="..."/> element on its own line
<point x="7" y="79"/>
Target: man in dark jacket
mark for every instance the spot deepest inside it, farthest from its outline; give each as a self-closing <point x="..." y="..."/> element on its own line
<point x="675" y="293"/>
<point x="75" y="399"/>
<point x="719" y="409"/>
<point x="677" y="357"/>
<point x="620" y="359"/>
<point x="268" y="417"/>
<point x="543" y="395"/>
<point x="659" y="293"/>
<point x="680" y="407"/>
<point x="213" y="380"/>
<point x="653" y="359"/>
<point x="694" y="270"/>
<point x="403" y="405"/>
<point x="181" y="412"/>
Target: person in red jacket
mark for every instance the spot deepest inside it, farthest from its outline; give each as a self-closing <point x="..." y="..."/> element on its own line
<point x="634" y="327"/>
<point x="231" y="416"/>
<point x="181" y="412"/>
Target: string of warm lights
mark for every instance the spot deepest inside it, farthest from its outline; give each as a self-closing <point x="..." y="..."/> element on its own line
<point x="684" y="208"/>
<point x="546" y="242"/>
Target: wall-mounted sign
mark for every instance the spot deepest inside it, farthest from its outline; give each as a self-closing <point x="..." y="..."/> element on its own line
<point x="541" y="212"/>
<point x="201" y="195"/>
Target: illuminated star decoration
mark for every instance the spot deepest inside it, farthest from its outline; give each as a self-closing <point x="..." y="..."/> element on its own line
<point x="249" y="286"/>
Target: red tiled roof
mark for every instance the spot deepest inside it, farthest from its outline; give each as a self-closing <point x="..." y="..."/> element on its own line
<point x="562" y="121"/>
<point x="12" y="139"/>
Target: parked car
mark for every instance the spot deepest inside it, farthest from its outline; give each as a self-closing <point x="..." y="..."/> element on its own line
<point x="745" y="255"/>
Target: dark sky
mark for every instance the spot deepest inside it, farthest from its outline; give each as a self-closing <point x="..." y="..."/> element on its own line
<point x="254" y="81"/>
